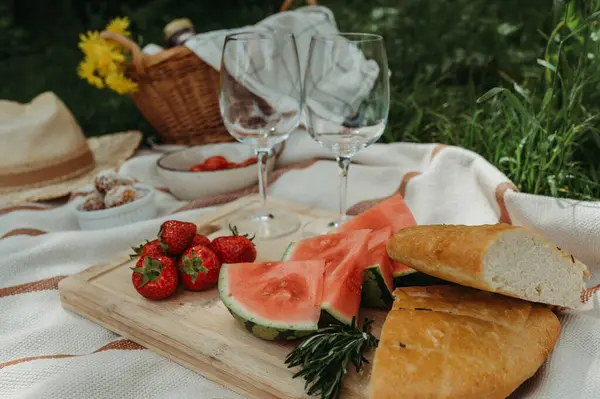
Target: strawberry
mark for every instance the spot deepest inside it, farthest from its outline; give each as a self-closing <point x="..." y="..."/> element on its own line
<point x="175" y="236"/>
<point x="234" y="248"/>
<point x="199" y="267"/>
<point x="216" y="162"/>
<point x="247" y="162"/>
<point x="199" y="239"/>
<point x="155" y="278"/>
<point x="150" y="248"/>
<point x="197" y="168"/>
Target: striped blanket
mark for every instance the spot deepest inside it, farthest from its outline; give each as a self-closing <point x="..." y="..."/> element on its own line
<point x="47" y="352"/>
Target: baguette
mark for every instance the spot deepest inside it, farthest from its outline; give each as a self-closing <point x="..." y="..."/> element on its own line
<point x="447" y="342"/>
<point x="501" y="258"/>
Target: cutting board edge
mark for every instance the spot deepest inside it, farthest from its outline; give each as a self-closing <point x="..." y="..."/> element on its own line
<point x="69" y="292"/>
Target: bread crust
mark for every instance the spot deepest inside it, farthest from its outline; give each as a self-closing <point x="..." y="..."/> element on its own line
<point x="443" y="342"/>
<point x="456" y="252"/>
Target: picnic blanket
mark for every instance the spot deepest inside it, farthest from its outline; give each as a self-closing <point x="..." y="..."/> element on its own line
<point x="48" y="352"/>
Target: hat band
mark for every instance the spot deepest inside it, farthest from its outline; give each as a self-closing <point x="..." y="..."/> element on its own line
<point x="69" y="167"/>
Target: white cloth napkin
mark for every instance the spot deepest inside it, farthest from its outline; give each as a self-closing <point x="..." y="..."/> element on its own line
<point x="341" y="87"/>
<point x="47" y="352"/>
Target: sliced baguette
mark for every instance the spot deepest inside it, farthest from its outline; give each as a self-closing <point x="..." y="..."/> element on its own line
<point x="447" y="342"/>
<point x="509" y="260"/>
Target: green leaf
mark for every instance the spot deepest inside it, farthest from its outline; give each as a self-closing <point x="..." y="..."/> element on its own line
<point x="137" y="250"/>
<point x="138" y="269"/>
<point x="521" y="91"/>
<point x="510" y="98"/>
<point x="147" y="262"/>
<point x="198" y="263"/>
<point x="145" y="279"/>
<point x="490" y="94"/>
<point x="193" y="266"/>
<point x="164" y="246"/>
<point x="546" y="64"/>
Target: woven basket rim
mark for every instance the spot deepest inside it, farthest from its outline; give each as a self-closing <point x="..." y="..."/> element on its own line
<point x="172" y="54"/>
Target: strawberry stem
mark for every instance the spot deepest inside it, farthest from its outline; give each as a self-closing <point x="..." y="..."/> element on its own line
<point x="235" y="232"/>
<point x="193" y="266"/>
<point x="164" y="246"/>
<point x="137" y="250"/>
<point x="150" y="271"/>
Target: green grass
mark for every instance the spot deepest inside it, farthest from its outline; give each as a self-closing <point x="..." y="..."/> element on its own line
<point x="540" y="59"/>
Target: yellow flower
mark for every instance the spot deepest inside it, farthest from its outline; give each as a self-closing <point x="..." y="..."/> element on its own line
<point x="104" y="60"/>
<point x="121" y="84"/>
<point x="119" y="25"/>
<point x="107" y="58"/>
<point x="89" y="42"/>
<point x="86" y="70"/>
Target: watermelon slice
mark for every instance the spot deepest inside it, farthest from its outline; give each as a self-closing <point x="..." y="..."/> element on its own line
<point x="274" y="300"/>
<point x="391" y="212"/>
<point x="343" y="254"/>
<point x="378" y="283"/>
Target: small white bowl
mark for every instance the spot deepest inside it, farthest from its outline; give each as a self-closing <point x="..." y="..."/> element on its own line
<point x="143" y="208"/>
<point x="174" y="170"/>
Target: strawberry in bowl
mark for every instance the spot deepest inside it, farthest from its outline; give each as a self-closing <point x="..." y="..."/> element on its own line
<point x="210" y="170"/>
<point x="219" y="162"/>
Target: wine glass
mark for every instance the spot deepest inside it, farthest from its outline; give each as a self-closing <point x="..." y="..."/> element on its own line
<point x="261" y="102"/>
<point x="346" y="102"/>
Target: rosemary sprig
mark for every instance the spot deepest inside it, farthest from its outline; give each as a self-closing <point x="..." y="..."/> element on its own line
<point x="324" y="357"/>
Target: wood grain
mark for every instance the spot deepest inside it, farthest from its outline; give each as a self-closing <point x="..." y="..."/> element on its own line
<point x="194" y="329"/>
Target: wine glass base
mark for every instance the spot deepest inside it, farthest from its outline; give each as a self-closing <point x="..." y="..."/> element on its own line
<point x="267" y="225"/>
<point x="321" y="226"/>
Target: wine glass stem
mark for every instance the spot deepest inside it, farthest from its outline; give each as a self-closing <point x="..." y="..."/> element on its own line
<point x="261" y="157"/>
<point x="344" y="164"/>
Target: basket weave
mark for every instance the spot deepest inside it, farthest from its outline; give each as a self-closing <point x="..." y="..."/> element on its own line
<point x="178" y="92"/>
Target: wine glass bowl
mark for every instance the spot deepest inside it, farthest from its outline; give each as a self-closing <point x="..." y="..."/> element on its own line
<point x="346" y="96"/>
<point x="260" y="106"/>
<point x="260" y="102"/>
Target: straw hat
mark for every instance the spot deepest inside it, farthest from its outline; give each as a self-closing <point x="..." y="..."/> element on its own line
<point x="44" y="154"/>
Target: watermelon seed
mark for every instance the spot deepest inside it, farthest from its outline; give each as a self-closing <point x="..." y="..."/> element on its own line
<point x="402" y="345"/>
<point x="265" y="293"/>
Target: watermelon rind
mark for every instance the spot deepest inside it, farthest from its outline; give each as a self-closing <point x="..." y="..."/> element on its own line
<point x="269" y="333"/>
<point x="288" y="251"/>
<point x="261" y="328"/>
<point x="375" y="293"/>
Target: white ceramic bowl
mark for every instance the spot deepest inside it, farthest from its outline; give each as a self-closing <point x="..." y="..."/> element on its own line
<point x="143" y="208"/>
<point x="186" y="185"/>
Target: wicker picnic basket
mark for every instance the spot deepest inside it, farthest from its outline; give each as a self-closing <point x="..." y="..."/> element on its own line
<point x="178" y="92"/>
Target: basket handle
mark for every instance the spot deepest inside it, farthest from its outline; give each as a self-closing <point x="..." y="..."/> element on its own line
<point x="129" y="45"/>
<point x="288" y="3"/>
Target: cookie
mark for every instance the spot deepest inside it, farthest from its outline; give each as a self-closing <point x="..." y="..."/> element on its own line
<point x="93" y="202"/>
<point x="120" y="195"/>
<point x="106" y="180"/>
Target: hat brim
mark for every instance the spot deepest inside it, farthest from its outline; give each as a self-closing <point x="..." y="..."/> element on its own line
<point x="110" y="151"/>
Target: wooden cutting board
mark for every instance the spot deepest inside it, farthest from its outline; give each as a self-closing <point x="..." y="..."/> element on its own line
<point x="195" y="329"/>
